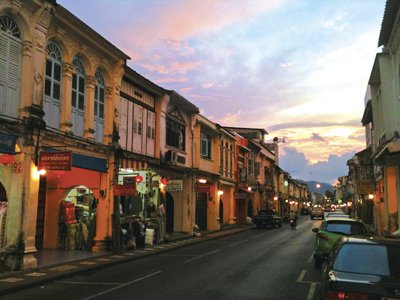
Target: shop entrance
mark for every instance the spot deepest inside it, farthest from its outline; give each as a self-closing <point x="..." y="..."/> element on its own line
<point x="242" y="211"/>
<point x="3" y="214"/>
<point x="170" y="213"/>
<point x="40" y="213"/>
<point x="201" y="211"/>
<point x="77" y="221"/>
<point x="221" y="211"/>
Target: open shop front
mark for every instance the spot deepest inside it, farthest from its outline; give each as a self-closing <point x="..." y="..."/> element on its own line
<point x="139" y="210"/>
<point x="69" y="205"/>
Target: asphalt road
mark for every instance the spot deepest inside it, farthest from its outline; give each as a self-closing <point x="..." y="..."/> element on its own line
<point x="255" y="264"/>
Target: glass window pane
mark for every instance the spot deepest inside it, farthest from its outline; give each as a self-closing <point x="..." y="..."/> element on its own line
<point x="47" y="87"/>
<point x="81" y="84"/>
<point x="56" y="91"/>
<point x="74" y="82"/>
<point x="48" y="67"/>
<point x="101" y="95"/>
<point x="101" y="111"/>
<point x="95" y="108"/>
<point x="81" y="102"/>
<point x="96" y="92"/>
<point x="57" y="72"/>
<point x="73" y="99"/>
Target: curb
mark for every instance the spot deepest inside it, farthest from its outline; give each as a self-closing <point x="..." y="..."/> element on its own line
<point x="16" y="281"/>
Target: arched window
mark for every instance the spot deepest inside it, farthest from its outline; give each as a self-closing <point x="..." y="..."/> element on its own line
<point x="10" y="66"/>
<point x="99" y="98"/>
<point x="52" y="87"/>
<point x="78" y="97"/>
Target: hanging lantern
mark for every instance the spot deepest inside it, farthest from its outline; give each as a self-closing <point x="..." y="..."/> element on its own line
<point x="7" y="159"/>
<point x="138" y="179"/>
<point x="164" y="181"/>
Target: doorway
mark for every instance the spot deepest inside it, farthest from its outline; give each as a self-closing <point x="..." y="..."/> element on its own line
<point x="201" y="210"/>
<point x="169" y="226"/>
<point x="221" y="211"/>
<point x="40" y="213"/>
<point x="3" y="215"/>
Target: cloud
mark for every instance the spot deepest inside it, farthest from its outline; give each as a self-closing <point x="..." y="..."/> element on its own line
<point x="295" y="162"/>
<point x="337" y="23"/>
<point x="231" y="118"/>
<point x="316" y="137"/>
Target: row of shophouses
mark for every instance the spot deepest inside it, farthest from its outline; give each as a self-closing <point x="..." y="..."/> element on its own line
<point x="372" y="185"/>
<point x="89" y="147"/>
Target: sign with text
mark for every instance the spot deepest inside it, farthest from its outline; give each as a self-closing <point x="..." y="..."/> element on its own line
<point x="174" y="185"/>
<point x="365" y="187"/>
<point x="55" y="160"/>
<point x="124" y="190"/>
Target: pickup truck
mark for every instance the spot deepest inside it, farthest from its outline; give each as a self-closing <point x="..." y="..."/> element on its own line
<point x="266" y="218"/>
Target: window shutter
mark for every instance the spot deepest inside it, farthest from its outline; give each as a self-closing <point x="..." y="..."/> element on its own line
<point x="123" y="119"/>
<point x="10" y="61"/>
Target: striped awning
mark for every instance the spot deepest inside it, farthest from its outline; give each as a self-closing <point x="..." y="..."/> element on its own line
<point x="132" y="164"/>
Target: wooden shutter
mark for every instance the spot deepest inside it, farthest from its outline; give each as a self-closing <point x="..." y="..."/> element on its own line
<point x="123" y="119"/>
<point x="10" y="64"/>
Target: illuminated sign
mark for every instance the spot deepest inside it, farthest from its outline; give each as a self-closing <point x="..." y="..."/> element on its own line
<point x="55" y="160"/>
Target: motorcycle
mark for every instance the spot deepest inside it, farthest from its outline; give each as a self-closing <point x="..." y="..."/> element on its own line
<point x="293" y="223"/>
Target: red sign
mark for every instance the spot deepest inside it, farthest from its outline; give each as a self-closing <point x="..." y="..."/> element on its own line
<point x="125" y="190"/>
<point x="55" y="160"/>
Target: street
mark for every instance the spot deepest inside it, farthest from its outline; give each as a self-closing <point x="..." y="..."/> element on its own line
<point x="255" y="264"/>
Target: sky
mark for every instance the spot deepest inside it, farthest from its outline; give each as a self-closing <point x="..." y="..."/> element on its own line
<point x="296" y="68"/>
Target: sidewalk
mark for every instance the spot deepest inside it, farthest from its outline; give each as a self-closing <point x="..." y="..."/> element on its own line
<point x="50" y="271"/>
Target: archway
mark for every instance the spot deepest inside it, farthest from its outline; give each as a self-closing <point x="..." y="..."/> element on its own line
<point x="77" y="219"/>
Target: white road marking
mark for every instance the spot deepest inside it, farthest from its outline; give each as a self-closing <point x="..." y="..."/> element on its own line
<point x="93" y="283"/>
<point x="311" y="292"/>
<point x="301" y="276"/>
<point x="258" y="235"/>
<point x="311" y="258"/>
<point x="238" y="243"/>
<point x="200" y="256"/>
<point x="122" y="285"/>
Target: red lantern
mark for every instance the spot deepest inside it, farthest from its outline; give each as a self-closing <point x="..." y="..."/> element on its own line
<point x="139" y="179"/>
<point x="7" y="159"/>
<point x="164" y="181"/>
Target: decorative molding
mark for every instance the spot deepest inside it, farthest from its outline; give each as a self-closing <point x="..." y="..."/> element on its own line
<point x="27" y="48"/>
<point x="68" y="69"/>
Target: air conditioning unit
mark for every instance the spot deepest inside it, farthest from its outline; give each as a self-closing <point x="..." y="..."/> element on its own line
<point x="171" y="156"/>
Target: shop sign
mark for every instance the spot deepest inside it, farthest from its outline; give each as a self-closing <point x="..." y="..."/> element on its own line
<point x="55" y="160"/>
<point x="125" y="190"/>
<point x="365" y="187"/>
<point x="174" y="185"/>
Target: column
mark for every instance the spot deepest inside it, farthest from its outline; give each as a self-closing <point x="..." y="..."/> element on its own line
<point x="89" y="107"/>
<point x="66" y="96"/>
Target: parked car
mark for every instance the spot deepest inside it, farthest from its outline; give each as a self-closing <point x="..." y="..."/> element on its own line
<point x="330" y="231"/>
<point x="266" y="218"/>
<point x="362" y="269"/>
<point x="305" y="211"/>
<point x="335" y="214"/>
<point x="316" y="212"/>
